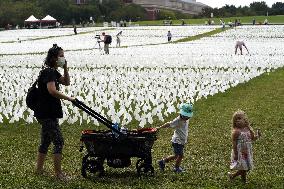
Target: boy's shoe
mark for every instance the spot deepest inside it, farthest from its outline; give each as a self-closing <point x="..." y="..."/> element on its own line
<point x="178" y="170"/>
<point x="162" y="165"/>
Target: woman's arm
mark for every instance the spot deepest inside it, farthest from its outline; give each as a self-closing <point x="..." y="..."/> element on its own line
<point x="55" y="93"/>
<point x="65" y="80"/>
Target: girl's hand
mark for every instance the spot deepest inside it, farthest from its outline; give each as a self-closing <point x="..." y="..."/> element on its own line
<point x="258" y="133"/>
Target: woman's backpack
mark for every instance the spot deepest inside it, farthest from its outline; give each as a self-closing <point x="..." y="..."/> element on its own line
<point x="32" y="97"/>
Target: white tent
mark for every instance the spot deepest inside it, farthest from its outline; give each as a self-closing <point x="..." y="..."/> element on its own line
<point x="32" y="19"/>
<point x="32" y="22"/>
<point x="48" y="18"/>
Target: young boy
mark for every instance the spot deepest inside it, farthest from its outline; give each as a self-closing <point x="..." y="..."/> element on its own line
<point x="179" y="138"/>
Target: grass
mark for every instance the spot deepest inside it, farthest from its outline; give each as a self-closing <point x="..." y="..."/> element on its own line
<point x="206" y="157"/>
<point x="245" y="20"/>
<point x="199" y="36"/>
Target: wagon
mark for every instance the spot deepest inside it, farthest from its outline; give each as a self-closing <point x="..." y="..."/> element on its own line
<point x="114" y="147"/>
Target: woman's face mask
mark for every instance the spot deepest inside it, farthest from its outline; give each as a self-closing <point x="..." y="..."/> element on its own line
<point x="60" y="62"/>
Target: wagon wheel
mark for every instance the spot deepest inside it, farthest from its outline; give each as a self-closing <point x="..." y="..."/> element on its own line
<point x="139" y="163"/>
<point x="144" y="169"/>
<point x="92" y="165"/>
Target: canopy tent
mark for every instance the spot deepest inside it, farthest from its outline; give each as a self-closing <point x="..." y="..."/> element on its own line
<point x="48" y="22"/>
<point x="48" y="18"/>
<point x="32" y="22"/>
<point x="32" y="19"/>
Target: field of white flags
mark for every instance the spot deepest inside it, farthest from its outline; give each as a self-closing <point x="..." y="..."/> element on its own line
<point x="139" y="83"/>
<point x="37" y="41"/>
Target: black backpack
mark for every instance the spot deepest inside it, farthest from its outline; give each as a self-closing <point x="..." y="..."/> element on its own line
<point x="108" y="39"/>
<point x="32" y="97"/>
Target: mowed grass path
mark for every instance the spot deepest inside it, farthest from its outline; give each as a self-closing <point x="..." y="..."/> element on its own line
<point x="207" y="153"/>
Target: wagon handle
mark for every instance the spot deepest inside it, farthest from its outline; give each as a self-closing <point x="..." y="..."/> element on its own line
<point x="96" y="115"/>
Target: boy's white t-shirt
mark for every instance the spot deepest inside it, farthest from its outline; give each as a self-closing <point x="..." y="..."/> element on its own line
<point x="181" y="130"/>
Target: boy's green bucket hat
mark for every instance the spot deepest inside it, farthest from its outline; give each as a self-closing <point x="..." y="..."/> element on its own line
<point x="186" y="109"/>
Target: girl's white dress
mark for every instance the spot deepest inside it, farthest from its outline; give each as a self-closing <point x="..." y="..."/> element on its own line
<point x="245" y="155"/>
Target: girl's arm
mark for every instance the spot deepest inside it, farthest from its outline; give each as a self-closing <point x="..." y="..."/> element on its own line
<point x="252" y="134"/>
<point x="235" y="135"/>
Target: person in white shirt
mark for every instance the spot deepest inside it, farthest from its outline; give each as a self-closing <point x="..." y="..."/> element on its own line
<point x="179" y="138"/>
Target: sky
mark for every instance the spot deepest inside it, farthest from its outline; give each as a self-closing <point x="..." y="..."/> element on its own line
<point x="221" y="3"/>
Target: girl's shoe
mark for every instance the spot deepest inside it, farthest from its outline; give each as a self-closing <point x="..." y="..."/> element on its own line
<point x="230" y="176"/>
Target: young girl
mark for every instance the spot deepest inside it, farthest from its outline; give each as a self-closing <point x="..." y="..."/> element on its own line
<point x="242" y="137"/>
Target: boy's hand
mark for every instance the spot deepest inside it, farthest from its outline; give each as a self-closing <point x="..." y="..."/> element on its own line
<point x="258" y="133"/>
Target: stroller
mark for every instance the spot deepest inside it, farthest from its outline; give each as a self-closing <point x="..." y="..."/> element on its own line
<point x="115" y="146"/>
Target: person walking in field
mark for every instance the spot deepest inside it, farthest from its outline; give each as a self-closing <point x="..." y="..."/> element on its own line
<point x="118" y="41"/>
<point x="169" y="35"/>
<point x="239" y="45"/>
<point x="179" y="138"/>
<point x="75" y="30"/>
<point x="242" y="137"/>
<point x="49" y="109"/>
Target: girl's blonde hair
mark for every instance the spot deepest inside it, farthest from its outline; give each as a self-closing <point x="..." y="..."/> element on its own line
<point x="236" y="115"/>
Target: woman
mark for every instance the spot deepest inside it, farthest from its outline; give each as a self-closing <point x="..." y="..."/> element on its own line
<point x="50" y="109"/>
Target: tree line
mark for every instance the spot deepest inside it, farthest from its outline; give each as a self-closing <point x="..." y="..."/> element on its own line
<point x="255" y="9"/>
<point x="14" y="12"/>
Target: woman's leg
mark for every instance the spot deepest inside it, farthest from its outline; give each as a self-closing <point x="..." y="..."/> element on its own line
<point x="40" y="162"/>
<point x="57" y="164"/>
<point x="45" y="141"/>
<point x="58" y="142"/>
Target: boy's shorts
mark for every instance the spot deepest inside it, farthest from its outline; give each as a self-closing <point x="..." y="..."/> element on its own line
<point x="178" y="149"/>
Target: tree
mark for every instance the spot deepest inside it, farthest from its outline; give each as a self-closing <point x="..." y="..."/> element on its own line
<point x="260" y="8"/>
<point x="206" y="12"/>
<point x="56" y="8"/>
<point x="14" y="13"/>
<point x="107" y="7"/>
<point x="278" y="8"/>
<point x="130" y="12"/>
<point x="166" y="14"/>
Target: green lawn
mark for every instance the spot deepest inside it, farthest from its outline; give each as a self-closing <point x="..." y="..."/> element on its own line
<point x="245" y="20"/>
<point x="206" y="158"/>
